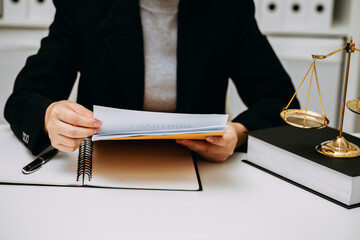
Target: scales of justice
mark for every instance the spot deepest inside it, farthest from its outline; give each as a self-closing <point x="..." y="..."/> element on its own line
<point x="339" y="147"/>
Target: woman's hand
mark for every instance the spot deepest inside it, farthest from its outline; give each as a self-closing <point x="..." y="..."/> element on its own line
<point x="218" y="149"/>
<point x="68" y="124"/>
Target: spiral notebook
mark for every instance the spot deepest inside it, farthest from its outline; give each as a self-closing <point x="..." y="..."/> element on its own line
<point x="161" y="164"/>
<point x="137" y="164"/>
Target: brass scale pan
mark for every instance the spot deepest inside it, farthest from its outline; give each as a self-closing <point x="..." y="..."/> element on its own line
<point x="309" y="119"/>
<point x="304" y="119"/>
<point x="354" y="105"/>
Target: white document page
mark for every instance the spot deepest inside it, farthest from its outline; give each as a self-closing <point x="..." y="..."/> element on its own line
<point x="121" y="122"/>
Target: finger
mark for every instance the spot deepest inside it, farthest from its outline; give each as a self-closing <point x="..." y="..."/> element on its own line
<point x="71" y="131"/>
<point x="196" y="146"/>
<point x="224" y="140"/>
<point x="81" y="110"/>
<point x="69" y="116"/>
<point x="64" y="148"/>
<point x="207" y="150"/>
<point x="69" y="142"/>
<point x="219" y="141"/>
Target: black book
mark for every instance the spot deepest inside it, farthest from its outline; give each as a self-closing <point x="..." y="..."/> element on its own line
<point x="289" y="153"/>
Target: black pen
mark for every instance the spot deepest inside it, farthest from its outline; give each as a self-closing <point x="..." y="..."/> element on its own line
<point x="38" y="162"/>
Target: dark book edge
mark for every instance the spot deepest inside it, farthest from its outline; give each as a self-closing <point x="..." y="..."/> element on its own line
<point x="87" y="186"/>
<point x="194" y="157"/>
<point x="39" y="185"/>
<point x="302" y="186"/>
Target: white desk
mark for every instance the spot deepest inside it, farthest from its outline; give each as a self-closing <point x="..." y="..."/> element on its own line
<point x="238" y="202"/>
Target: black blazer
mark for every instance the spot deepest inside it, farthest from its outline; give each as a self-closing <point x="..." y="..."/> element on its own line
<point x="102" y="39"/>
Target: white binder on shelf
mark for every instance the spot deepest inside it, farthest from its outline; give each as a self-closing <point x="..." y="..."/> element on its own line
<point x="272" y="14"/>
<point x="295" y="12"/>
<point x="320" y="14"/>
<point x="14" y="11"/>
<point x="257" y="10"/>
<point x="40" y="11"/>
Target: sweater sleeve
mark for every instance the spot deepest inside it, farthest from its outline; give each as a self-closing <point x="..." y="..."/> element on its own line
<point x="46" y="77"/>
<point x="262" y="83"/>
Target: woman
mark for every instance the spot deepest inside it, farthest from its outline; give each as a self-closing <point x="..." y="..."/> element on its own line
<point x="148" y="55"/>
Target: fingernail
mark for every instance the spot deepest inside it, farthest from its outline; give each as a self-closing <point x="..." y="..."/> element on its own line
<point x="210" y="139"/>
<point x="96" y="131"/>
<point x="97" y="124"/>
<point x="183" y="142"/>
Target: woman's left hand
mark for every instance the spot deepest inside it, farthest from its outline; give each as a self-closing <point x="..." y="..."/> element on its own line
<point x="218" y="149"/>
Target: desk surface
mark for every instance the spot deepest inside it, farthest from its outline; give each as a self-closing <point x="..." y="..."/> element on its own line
<point x="238" y="202"/>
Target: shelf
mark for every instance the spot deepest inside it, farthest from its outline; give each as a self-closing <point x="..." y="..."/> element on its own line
<point x="338" y="30"/>
<point x="25" y="25"/>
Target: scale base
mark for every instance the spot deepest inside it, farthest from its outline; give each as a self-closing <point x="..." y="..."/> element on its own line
<point x="338" y="148"/>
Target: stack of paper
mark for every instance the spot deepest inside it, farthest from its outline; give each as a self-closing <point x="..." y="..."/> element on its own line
<point x="120" y="124"/>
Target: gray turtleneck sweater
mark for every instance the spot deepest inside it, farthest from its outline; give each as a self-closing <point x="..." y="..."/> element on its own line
<point x="159" y="25"/>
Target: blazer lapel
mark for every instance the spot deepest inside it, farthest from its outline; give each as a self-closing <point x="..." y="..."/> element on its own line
<point x="195" y="42"/>
<point x="126" y="49"/>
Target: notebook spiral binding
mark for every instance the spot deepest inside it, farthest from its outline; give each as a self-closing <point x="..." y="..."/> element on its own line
<point x="84" y="167"/>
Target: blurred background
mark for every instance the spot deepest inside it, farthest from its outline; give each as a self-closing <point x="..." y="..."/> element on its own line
<point x="295" y="28"/>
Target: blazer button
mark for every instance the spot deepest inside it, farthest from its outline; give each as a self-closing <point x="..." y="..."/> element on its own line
<point x="25" y="138"/>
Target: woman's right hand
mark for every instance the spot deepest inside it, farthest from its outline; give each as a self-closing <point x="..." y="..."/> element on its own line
<point x="68" y="124"/>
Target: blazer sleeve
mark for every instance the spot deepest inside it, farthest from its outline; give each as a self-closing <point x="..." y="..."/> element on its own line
<point x="46" y="77"/>
<point x="260" y="79"/>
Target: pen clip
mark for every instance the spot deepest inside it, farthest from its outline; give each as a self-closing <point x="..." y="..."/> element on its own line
<point x="33" y="166"/>
<point x="38" y="162"/>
